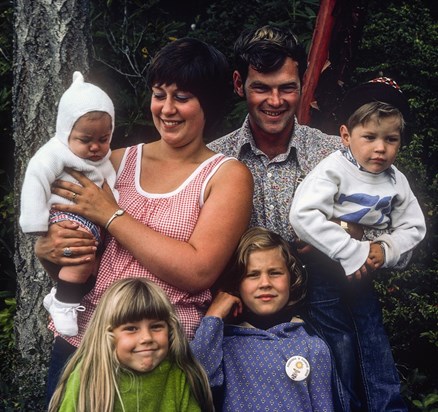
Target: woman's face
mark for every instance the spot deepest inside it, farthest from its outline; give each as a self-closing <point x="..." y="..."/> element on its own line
<point x="141" y="346"/>
<point x="265" y="287"/>
<point x="177" y="115"/>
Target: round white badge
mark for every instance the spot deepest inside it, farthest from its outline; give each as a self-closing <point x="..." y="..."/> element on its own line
<point x="297" y="368"/>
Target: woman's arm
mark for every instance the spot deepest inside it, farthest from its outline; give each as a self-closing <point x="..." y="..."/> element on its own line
<point x="194" y="265"/>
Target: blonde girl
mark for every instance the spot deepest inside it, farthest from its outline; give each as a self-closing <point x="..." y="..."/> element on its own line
<point x="134" y="357"/>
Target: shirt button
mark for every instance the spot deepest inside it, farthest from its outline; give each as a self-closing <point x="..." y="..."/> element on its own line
<point x="271" y="207"/>
<point x="269" y="174"/>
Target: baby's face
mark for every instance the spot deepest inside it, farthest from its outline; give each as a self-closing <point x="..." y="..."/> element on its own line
<point x="375" y="144"/>
<point x="265" y="287"/>
<point x="90" y="137"/>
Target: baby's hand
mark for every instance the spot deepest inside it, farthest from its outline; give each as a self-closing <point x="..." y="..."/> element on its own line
<point x="224" y="304"/>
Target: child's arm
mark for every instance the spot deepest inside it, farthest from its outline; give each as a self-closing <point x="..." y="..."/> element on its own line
<point x="408" y="226"/>
<point x="35" y="195"/>
<point x="207" y="348"/>
<point x="207" y="344"/>
<point x="311" y="214"/>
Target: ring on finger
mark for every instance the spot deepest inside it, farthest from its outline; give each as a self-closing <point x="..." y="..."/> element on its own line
<point x="73" y="198"/>
<point x="67" y="252"/>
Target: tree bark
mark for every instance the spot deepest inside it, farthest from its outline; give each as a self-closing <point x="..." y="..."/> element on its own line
<point x="51" y="40"/>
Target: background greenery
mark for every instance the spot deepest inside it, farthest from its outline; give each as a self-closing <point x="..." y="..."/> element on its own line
<point x="398" y="39"/>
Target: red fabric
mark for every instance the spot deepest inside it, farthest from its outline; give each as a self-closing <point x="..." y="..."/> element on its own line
<point x="174" y="214"/>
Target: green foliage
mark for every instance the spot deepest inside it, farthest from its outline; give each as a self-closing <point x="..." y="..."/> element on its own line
<point x="9" y="357"/>
<point x="400" y="40"/>
<point x="7" y="337"/>
<point x="410" y="311"/>
<point x="127" y="34"/>
<point x="427" y="403"/>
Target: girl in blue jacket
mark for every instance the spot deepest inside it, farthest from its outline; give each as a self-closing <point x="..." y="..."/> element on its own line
<point x="258" y="353"/>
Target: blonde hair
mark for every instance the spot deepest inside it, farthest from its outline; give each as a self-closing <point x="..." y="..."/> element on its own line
<point x="127" y="300"/>
<point x="258" y="238"/>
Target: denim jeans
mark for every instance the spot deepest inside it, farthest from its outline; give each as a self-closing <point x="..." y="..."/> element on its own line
<point x="349" y="317"/>
<point x="61" y="352"/>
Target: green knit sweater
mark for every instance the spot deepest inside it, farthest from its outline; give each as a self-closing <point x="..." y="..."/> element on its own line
<point x="165" y="389"/>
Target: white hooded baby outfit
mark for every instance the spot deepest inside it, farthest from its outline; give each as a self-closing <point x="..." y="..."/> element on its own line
<point x="49" y="162"/>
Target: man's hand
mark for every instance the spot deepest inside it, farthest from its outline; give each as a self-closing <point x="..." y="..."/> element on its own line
<point x="353" y="229"/>
<point x="375" y="259"/>
<point x="302" y="247"/>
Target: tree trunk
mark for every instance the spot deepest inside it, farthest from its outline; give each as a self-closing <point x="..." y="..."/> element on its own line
<point x="51" y="40"/>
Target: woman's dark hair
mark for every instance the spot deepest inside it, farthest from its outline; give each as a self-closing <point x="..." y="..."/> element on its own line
<point x="198" y="68"/>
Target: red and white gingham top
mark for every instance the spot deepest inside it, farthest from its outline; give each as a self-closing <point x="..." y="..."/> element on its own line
<point x="173" y="214"/>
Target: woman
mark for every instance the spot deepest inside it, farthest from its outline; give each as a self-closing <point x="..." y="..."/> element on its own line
<point x="182" y="208"/>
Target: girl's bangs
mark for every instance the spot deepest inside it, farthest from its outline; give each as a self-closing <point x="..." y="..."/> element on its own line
<point x="141" y="304"/>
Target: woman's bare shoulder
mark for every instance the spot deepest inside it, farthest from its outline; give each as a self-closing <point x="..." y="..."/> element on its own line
<point x="236" y="168"/>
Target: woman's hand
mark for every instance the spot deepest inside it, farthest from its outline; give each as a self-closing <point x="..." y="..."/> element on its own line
<point x="224" y="304"/>
<point x="61" y="236"/>
<point x="90" y="201"/>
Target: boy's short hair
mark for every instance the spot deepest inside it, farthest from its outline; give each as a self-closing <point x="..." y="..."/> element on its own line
<point x="265" y="49"/>
<point x="195" y="67"/>
<point x="374" y="110"/>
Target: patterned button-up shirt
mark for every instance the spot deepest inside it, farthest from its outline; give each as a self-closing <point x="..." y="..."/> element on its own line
<point x="275" y="180"/>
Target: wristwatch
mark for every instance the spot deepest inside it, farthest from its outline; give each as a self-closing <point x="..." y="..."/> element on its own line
<point x="116" y="214"/>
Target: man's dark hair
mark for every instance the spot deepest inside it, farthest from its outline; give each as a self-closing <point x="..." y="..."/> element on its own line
<point x="265" y="49"/>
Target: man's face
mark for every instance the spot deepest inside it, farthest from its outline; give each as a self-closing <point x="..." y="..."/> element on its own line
<point x="272" y="98"/>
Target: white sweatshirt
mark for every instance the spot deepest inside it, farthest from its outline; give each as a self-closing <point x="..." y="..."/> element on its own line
<point x="337" y="189"/>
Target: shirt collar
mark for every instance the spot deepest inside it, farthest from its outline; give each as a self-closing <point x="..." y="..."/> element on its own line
<point x="246" y="141"/>
<point x="346" y="151"/>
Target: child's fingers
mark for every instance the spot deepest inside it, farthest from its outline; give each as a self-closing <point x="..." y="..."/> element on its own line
<point x="238" y="308"/>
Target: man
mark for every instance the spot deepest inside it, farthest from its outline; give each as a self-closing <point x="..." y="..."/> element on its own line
<point x="279" y="152"/>
<point x="270" y="65"/>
